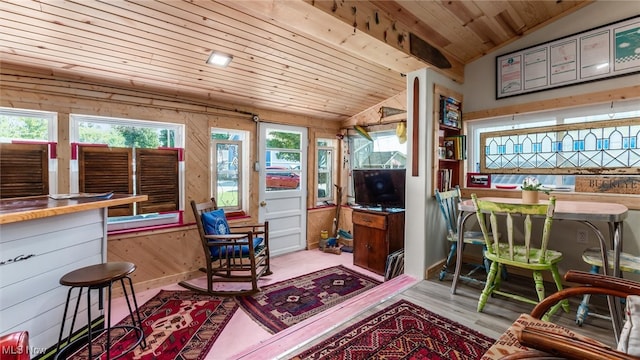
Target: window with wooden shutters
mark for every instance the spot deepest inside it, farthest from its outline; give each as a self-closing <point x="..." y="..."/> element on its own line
<point x="104" y="169"/>
<point x="144" y="158"/>
<point x="24" y="170"/>
<point x="157" y="177"/>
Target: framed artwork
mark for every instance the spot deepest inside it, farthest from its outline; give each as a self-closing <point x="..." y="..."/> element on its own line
<point x="604" y="52"/>
<point x="478" y="180"/>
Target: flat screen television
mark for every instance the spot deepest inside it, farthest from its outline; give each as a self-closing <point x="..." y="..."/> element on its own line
<point x="384" y="188"/>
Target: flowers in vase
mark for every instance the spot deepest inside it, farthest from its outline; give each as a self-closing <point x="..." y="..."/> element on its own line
<point x="530" y="183"/>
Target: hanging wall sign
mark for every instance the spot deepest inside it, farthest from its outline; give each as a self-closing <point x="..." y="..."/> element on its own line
<point x="600" y="53"/>
<point x="608" y="184"/>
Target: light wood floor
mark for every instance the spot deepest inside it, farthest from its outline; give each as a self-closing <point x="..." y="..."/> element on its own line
<point x="497" y="316"/>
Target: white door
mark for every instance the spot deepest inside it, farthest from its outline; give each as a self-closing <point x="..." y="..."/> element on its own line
<point x="283" y="186"/>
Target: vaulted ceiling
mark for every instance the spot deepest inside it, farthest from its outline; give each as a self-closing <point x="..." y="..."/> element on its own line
<point x="329" y="59"/>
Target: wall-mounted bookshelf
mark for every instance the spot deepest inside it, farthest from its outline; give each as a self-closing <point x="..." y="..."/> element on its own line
<point x="450" y="144"/>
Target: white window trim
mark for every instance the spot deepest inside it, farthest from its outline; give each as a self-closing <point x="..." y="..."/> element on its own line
<point x="331" y="169"/>
<point x="52" y="138"/>
<point x="140" y="220"/>
<point x="244" y="173"/>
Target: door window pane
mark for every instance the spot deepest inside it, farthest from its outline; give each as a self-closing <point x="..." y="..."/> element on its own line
<point x="283" y="154"/>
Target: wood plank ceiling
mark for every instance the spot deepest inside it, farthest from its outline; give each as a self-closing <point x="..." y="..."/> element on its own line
<point x="328" y="59"/>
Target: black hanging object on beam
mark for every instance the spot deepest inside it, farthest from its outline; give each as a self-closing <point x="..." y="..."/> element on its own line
<point x="423" y="50"/>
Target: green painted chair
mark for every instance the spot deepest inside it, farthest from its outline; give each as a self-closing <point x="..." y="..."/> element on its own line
<point x="448" y="202"/>
<point x="522" y="255"/>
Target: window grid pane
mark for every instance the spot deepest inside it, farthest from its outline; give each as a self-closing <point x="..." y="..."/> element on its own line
<point x="283" y="154"/>
<point x="325" y="171"/>
<point x="228" y="157"/>
<point x="610" y="146"/>
<point x="385" y="151"/>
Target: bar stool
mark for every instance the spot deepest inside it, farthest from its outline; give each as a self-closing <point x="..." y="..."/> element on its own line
<point x="592" y="256"/>
<point x="98" y="277"/>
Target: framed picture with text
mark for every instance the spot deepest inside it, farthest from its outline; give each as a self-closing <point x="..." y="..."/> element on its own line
<point x="478" y="180"/>
<point x="604" y="52"/>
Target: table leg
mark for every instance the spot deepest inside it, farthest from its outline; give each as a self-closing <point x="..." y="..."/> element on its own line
<point x="615" y="234"/>
<point x="617" y="312"/>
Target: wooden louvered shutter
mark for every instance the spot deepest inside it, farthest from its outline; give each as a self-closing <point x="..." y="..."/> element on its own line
<point x="104" y="169"/>
<point x="157" y="177"/>
<point x="24" y="170"/>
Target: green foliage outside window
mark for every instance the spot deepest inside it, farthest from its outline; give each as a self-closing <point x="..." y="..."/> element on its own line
<point x="24" y="128"/>
<point x="285" y="140"/>
<point x="125" y="136"/>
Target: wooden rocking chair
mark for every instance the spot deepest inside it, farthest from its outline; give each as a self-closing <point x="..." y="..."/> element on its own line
<point x="233" y="254"/>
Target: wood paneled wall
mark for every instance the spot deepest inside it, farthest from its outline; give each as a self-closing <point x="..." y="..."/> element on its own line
<point x="322" y="219"/>
<point x="164" y="256"/>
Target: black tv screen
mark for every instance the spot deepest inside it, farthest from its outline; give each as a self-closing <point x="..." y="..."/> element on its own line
<point x="383" y="188"/>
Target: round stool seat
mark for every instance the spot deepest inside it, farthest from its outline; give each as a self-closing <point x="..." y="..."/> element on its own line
<point x="97" y="275"/>
<point x="100" y="278"/>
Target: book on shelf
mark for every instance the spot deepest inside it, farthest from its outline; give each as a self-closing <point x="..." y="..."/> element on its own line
<point x="444" y="179"/>
<point x="456" y="147"/>
<point x="450" y="112"/>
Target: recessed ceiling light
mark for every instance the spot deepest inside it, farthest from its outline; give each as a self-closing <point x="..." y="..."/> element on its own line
<point x="219" y="59"/>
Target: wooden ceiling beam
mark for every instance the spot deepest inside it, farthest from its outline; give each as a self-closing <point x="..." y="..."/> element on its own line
<point x="355" y="26"/>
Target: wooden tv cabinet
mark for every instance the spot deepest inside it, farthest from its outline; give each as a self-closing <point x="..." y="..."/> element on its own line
<point x="376" y="234"/>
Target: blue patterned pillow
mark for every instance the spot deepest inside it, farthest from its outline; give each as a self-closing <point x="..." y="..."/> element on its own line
<point x="237" y="250"/>
<point x="215" y="223"/>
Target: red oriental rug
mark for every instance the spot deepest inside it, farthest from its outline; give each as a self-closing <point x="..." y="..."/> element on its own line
<point x="291" y="301"/>
<point x="402" y="331"/>
<point x="177" y="325"/>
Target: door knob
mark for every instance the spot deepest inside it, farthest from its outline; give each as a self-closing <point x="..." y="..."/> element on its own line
<point x="263" y="203"/>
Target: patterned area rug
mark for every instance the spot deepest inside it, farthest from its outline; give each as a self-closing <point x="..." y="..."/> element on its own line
<point x="289" y="302"/>
<point x="402" y="331"/>
<point x="177" y="325"/>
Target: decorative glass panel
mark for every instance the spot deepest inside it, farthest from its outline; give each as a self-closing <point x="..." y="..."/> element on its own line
<point x="608" y="146"/>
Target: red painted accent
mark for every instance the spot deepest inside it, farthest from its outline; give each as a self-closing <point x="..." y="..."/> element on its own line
<point x="237" y="215"/>
<point x="179" y="223"/>
<point x="52" y="146"/>
<point x="53" y="150"/>
<point x="180" y="152"/>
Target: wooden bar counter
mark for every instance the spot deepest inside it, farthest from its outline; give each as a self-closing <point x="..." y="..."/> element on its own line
<point x="41" y="239"/>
